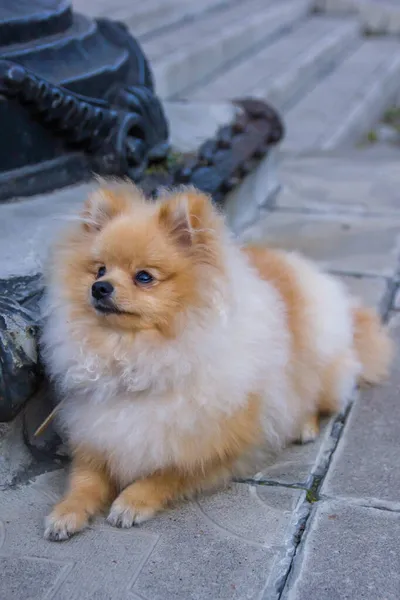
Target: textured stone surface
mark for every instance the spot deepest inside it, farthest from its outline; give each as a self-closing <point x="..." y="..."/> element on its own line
<point x="334" y="6"/>
<point x="29" y="225"/>
<point x="145" y="18"/>
<point x="350" y="553"/>
<point x="222" y="546"/>
<point x="297" y="463"/>
<point x="244" y="204"/>
<point x="356" y="183"/>
<point x="366" y="465"/>
<point x="347" y="243"/>
<point x="379" y="17"/>
<point x="280" y="69"/>
<point x="209" y="44"/>
<point x="191" y="123"/>
<point x="371" y="290"/>
<point x="39" y="577"/>
<point x="164" y="14"/>
<point x="344" y="105"/>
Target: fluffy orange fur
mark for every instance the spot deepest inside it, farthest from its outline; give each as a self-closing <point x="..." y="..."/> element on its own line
<point x="179" y="241"/>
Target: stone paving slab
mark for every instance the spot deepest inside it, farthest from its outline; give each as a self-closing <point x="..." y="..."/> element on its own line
<point x="223" y="546"/>
<point x="348" y="243"/>
<point x="349" y="553"/>
<point x="296" y="464"/>
<point x="366" y="463"/>
<point x="326" y="183"/>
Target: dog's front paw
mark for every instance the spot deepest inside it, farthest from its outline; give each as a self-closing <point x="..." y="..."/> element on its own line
<point x="63" y="523"/>
<point x="133" y="506"/>
<point x="310" y="430"/>
<point x="125" y="514"/>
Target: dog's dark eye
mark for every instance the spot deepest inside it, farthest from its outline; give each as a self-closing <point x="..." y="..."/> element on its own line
<point x="143" y="278"/>
<point x="101" y="272"/>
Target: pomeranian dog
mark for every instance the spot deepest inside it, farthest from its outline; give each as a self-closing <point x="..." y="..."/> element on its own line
<point x="184" y="359"/>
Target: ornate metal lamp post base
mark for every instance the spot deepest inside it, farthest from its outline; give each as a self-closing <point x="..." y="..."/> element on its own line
<point x="76" y="97"/>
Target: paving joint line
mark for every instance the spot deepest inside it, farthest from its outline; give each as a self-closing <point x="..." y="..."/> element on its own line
<point x="271" y="483"/>
<point x="313" y="496"/>
<point x="373" y="503"/>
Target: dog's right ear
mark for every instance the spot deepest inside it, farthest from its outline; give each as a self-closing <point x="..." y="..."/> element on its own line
<point x="107" y="202"/>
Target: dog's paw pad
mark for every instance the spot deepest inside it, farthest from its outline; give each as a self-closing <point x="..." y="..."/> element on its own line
<point x="124" y="516"/>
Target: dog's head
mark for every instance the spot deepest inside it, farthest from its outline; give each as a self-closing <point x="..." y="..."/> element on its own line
<point x="138" y="264"/>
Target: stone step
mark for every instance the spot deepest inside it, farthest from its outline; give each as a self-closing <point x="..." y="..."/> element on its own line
<point x="346" y="103"/>
<point x="379" y="17"/>
<point x="148" y="18"/>
<point x="144" y="23"/>
<point x="346" y="181"/>
<point x="334" y="6"/>
<point x="351" y="182"/>
<point x="122" y="9"/>
<point x="142" y="17"/>
<point x="182" y="59"/>
<point x="282" y="69"/>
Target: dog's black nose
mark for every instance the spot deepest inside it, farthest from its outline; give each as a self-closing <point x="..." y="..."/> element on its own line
<point x="102" y="289"/>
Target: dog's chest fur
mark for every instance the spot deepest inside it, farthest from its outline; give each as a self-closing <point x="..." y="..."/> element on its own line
<point x="138" y="435"/>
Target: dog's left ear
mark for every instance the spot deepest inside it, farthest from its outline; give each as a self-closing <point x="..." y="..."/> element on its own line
<point x="186" y="216"/>
<point x="107" y="202"/>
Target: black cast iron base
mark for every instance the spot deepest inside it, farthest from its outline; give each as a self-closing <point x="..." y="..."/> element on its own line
<point x="76" y="97"/>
